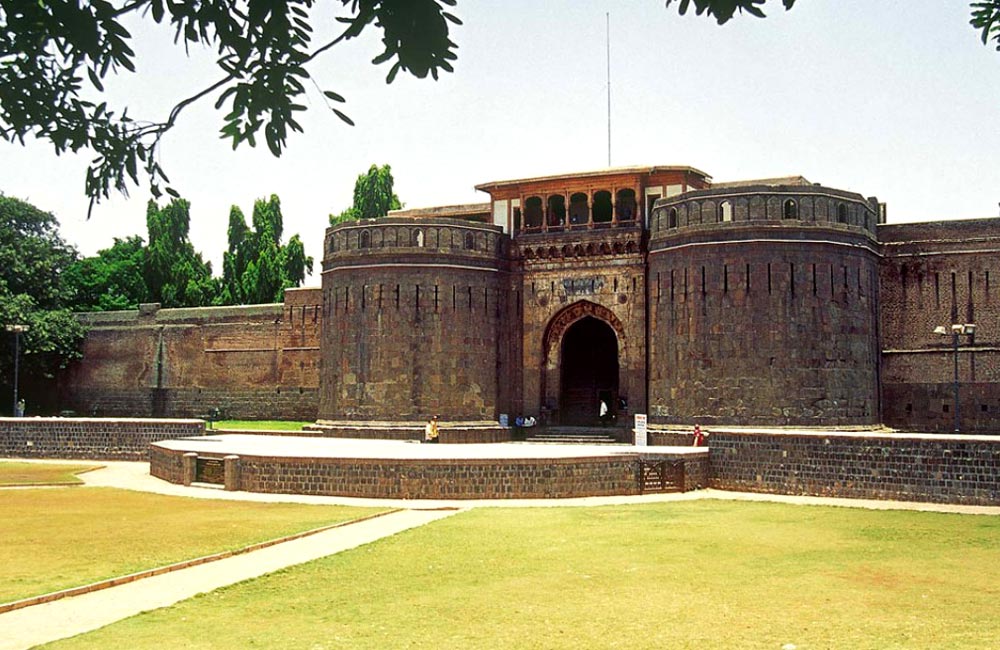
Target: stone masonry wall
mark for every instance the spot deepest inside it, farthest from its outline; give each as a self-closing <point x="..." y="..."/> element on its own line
<point x="564" y="277"/>
<point x="414" y="321"/>
<point x="257" y="361"/>
<point x="89" y="438"/>
<point x="939" y="274"/>
<point x="933" y="468"/>
<point x="751" y="332"/>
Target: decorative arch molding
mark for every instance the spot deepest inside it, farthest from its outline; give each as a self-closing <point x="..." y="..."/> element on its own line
<point x="568" y="316"/>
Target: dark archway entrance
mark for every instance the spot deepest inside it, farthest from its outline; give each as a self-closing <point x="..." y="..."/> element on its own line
<point x="589" y="372"/>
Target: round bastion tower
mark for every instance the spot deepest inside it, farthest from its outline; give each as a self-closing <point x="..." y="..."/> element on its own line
<point x="763" y="306"/>
<point x="411" y="313"/>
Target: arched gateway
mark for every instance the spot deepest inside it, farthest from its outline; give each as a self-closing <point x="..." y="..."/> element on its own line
<point x="583" y="351"/>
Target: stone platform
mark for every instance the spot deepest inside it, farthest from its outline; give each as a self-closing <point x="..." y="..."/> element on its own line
<point x="410" y="470"/>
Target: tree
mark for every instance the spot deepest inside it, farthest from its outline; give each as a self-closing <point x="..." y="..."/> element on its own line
<point x="985" y="13"/>
<point x="33" y="257"/>
<point x="112" y="279"/>
<point x="175" y="274"/>
<point x="55" y="57"/>
<point x="373" y="196"/>
<point x="257" y="268"/>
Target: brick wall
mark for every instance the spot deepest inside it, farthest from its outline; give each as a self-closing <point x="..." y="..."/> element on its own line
<point x="933" y="468"/>
<point x="90" y="438"/>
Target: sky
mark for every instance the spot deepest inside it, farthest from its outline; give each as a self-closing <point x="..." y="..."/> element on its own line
<point x="897" y="100"/>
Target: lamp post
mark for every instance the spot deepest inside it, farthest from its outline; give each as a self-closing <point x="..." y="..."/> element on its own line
<point x="17" y="330"/>
<point x="955" y="331"/>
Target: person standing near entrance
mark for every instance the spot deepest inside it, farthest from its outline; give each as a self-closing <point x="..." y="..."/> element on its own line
<point x="603" y="412"/>
<point x="431" y="430"/>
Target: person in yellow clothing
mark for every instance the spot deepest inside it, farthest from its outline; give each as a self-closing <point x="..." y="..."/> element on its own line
<point x="431" y="430"/>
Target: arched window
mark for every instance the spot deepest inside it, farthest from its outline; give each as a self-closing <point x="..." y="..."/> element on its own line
<point x="726" y="211"/>
<point x="842" y="213"/>
<point x="366" y="239"/>
<point x="578" y="208"/>
<point x="533" y="212"/>
<point x="790" y="209"/>
<point x="418" y="238"/>
<point x="602" y="206"/>
<point x="557" y="211"/>
<point x="672" y="218"/>
<point x="625" y="206"/>
<point x="470" y="241"/>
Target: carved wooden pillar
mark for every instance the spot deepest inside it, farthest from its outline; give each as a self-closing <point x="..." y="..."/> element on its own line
<point x="614" y="208"/>
<point x="566" y="222"/>
<point x="590" y="210"/>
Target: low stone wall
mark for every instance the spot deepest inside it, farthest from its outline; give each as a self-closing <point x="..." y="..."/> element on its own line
<point x="448" y="432"/>
<point x="905" y="467"/>
<point x="89" y="438"/>
<point x="429" y="478"/>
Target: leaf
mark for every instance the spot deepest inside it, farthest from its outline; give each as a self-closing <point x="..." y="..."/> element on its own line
<point x="334" y="96"/>
<point x="343" y="117"/>
<point x="95" y="80"/>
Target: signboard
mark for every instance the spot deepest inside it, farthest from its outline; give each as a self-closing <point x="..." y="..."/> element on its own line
<point x="640" y="429"/>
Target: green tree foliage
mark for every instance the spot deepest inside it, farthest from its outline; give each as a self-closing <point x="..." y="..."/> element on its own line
<point x="985" y="13"/>
<point x="175" y="274"/>
<point x="986" y="18"/>
<point x="724" y="10"/>
<point x="56" y="56"/>
<point x="257" y="268"/>
<point x="111" y="280"/>
<point x="373" y="196"/>
<point x="33" y="258"/>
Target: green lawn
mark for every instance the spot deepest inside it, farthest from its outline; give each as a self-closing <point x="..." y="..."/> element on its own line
<point x="14" y="473"/>
<point x="260" y="425"/>
<point x="704" y="574"/>
<point x="53" y="539"/>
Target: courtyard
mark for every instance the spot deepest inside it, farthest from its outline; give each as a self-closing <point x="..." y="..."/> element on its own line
<point x="708" y="569"/>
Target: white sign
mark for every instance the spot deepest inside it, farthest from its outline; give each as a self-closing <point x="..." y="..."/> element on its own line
<point x="640" y="429"/>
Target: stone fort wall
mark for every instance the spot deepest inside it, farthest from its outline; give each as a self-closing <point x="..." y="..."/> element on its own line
<point x="764" y="308"/>
<point x="415" y="311"/>
<point x="937" y="274"/>
<point x="258" y="361"/>
<point x="761" y="311"/>
<point x="561" y="278"/>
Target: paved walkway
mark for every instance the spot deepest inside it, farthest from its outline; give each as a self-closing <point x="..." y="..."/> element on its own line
<point x="30" y="626"/>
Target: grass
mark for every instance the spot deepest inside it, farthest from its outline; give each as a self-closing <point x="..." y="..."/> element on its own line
<point x="58" y="538"/>
<point x="703" y="574"/>
<point x="260" y="425"/>
<point x="15" y="473"/>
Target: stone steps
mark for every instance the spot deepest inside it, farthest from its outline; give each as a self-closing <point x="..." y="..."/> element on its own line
<point x="573" y="436"/>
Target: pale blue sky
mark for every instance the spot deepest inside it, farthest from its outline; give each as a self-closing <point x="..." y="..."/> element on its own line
<point x="896" y="99"/>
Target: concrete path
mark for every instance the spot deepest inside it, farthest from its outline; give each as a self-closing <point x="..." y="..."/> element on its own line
<point x="24" y="628"/>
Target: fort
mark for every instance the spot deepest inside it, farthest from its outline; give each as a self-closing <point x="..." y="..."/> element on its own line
<point x="775" y="302"/>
